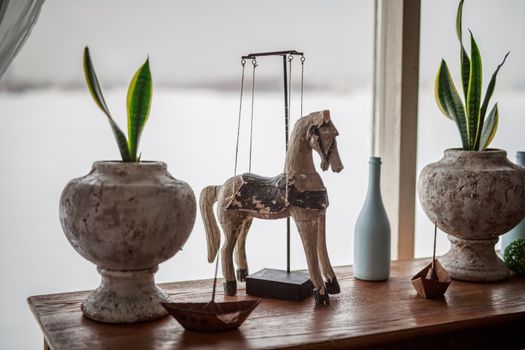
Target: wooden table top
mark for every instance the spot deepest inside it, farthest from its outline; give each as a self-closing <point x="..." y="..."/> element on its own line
<point x="364" y="314"/>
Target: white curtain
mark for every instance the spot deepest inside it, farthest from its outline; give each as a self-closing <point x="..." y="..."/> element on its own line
<point x="17" y="17"/>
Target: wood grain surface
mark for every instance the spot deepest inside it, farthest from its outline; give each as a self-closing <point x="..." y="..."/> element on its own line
<point x="365" y="314"/>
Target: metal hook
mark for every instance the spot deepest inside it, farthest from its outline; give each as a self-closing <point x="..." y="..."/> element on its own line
<point x="290" y="58"/>
<point x="254" y="62"/>
<point x="303" y="59"/>
<point x="243" y="62"/>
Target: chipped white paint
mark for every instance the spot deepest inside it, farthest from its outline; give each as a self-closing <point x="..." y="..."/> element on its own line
<point x="313" y="132"/>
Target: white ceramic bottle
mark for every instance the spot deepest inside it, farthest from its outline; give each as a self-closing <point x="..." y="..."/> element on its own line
<point x="372" y="232"/>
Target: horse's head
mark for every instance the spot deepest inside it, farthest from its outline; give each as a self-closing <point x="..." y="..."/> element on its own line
<point x="321" y="137"/>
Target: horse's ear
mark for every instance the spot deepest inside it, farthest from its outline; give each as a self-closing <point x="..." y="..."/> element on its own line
<point x="326" y="115"/>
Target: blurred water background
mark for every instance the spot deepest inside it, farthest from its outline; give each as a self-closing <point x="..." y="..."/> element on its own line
<point x="52" y="130"/>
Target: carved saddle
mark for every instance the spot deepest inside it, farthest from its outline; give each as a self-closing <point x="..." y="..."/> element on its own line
<point x="267" y="195"/>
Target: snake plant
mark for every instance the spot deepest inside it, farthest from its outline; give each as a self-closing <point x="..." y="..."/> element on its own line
<point x="476" y="128"/>
<point x="138" y="105"/>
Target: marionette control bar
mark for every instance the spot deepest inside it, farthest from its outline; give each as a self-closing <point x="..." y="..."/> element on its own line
<point x="272" y="53"/>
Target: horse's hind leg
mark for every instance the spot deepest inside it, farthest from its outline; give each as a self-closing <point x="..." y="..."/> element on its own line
<point x="328" y="272"/>
<point x="231" y="230"/>
<point x="306" y="221"/>
<point x="240" y="251"/>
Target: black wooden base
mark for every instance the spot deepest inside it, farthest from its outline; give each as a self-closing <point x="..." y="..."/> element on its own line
<point x="279" y="284"/>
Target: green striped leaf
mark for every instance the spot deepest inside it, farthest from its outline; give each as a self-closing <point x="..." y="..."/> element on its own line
<point x="463" y="56"/>
<point x="439" y="102"/>
<point x="488" y="94"/>
<point x="449" y="101"/>
<point x="489" y="128"/>
<point x="474" y="95"/>
<point x="465" y="70"/>
<point x="94" y="88"/>
<point x="93" y="84"/>
<point x="138" y="105"/>
<point x="459" y="18"/>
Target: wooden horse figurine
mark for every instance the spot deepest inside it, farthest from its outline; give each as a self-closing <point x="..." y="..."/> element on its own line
<point x="299" y="193"/>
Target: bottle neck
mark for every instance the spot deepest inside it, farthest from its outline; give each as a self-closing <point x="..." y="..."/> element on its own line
<point x="374" y="177"/>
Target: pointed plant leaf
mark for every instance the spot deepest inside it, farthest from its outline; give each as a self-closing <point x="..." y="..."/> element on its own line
<point x="474" y="95"/>
<point x="465" y="70"/>
<point x="463" y="56"/>
<point x="138" y="105"/>
<point x="94" y="88"/>
<point x="437" y="88"/>
<point x="489" y="128"/>
<point x="450" y="103"/>
<point x="92" y="83"/>
<point x="488" y="94"/>
<point x="459" y="31"/>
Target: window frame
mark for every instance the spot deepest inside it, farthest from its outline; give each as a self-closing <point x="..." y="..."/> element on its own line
<point x="395" y="112"/>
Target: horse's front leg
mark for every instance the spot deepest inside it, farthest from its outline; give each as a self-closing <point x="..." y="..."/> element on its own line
<point x="328" y="272"/>
<point x="231" y="231"/>
<point x="240" y="251"/>
<point x="306" y="221"/>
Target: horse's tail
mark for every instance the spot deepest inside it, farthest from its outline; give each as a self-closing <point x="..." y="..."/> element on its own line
<point x="213" y="235"/>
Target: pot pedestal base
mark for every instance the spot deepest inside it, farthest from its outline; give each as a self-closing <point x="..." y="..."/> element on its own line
<point x="474" y="260"/>
<point x="126" y="297"/>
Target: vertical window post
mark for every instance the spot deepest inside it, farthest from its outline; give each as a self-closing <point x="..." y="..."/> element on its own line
<point x="395" y="106"/>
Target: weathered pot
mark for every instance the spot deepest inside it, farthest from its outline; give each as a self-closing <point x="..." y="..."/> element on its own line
<point x="127" y="218"/>
<point x="474" y="197"/>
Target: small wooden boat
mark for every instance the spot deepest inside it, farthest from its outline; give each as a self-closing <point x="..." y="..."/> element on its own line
<point x="433" y="280"/>
<point x="212" y="317"/>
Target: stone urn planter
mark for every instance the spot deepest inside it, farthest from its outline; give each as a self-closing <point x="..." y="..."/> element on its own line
<point x="474" y="197"/>
<point x="127" y="218"/>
